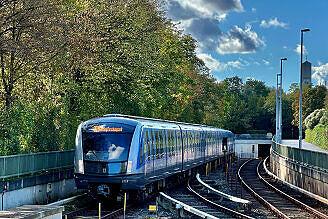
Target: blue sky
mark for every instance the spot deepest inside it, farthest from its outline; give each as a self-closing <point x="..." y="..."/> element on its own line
<point x="248" y="38"/>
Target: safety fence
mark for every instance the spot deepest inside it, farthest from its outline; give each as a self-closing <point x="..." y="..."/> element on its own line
<point x="305" y="157"/>
<point x="25" y="164"/>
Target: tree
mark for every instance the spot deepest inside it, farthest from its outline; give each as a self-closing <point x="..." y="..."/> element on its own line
<point x="29" y="37"/>
<point x="313" y="98"/>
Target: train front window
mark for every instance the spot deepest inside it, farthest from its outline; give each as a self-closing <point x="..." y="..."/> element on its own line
<point x="108" y="144"/>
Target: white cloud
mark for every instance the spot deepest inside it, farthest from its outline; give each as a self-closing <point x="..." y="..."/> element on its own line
<point x="298" y="49"/>
<point x="266" y="62"/>
<point x="239" y="41"/>
<point x="222" y="17"/>
<point x="215" y="65"/>
<point x="253" y="10"/>
<point x="273" y="23"/>
<point x="201" y="18"/>
<point x="209" y="8"/>
<point x="320" y="73"/>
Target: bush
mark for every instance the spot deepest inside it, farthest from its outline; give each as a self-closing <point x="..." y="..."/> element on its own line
<point x="314" y="118"/>
<point x="318" y="136"/>
<point x="324" y="119"/>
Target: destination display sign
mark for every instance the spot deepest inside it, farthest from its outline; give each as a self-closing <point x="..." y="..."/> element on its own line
<point x="107" y="129"/>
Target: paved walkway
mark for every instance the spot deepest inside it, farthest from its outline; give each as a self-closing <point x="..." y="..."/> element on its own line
<point x="305" y="145"/>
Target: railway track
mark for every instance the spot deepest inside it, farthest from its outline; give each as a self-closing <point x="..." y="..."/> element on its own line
<point x="83" y="206"/>
<point x="229" y="207"/>
<point x="250" y="174"/>
<point x="311" y="204"/>
<point x="236" y="189"/>
<point x="194" y="197"/>
<point x="184" y="197"/>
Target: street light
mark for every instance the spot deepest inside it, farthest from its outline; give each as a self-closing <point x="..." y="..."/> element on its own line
<point x="277" y="110"/>
<point x="301" y="82"/>
<point x="280" y="108"/>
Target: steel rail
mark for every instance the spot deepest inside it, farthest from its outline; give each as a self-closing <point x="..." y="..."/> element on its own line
<point x="270" y="206"/>
<point x="188" y="207"/>
<point x="310" y="194"/>
<point x="228" y="210"/>
<point x="222" y="194"/>
<point x="67" y="200"/>
<point x="308" y="208"/>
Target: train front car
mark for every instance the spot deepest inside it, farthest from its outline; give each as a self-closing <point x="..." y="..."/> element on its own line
<point x="102" y="163"/>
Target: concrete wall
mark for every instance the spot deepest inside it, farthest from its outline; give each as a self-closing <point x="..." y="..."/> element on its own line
<point x="305" y="177"/>
<point x="39" y="194"/>
<point x="243" y="147"/>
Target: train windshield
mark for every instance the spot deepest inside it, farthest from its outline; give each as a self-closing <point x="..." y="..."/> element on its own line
<point x="107" y="142"/>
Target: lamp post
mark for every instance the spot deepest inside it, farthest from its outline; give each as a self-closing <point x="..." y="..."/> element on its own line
<point x="277" y="110"/>
<point x="280" y="108"/>
<point x="301" y="82"/>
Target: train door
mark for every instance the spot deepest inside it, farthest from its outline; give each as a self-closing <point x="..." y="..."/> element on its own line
<point x="165" y="148"/>
<point x="185" y="146"/>
<point x="177" y="147"/>
<point x="152" y="133"/>
<point x="149" y="161"/>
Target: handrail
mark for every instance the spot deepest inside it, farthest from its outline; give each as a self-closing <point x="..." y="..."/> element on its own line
<point x="312" y="158"/>
<point x="25" y="164"/>
<point x="222" y="194"/>
<point x="189" y="208"/>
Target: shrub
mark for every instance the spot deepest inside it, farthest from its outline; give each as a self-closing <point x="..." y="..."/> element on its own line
<point x="318" y="136"/>
<point x="314" y="118"/>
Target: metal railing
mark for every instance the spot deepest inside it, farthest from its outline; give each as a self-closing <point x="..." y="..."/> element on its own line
<point x="25" y="164"/>
<point x="253" y="137"/>
<point x="303" y="156"/>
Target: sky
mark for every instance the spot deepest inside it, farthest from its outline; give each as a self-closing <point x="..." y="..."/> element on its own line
<point x="248" y="38"/>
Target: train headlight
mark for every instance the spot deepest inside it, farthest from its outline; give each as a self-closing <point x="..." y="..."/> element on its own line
<point x="80" y="166"/>
<point x="129" y="167"/>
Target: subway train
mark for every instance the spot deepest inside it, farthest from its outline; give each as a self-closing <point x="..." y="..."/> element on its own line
<point x="116" y="153"/>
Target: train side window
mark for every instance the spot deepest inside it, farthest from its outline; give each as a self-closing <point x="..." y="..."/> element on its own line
<point x="173" y="142"/>
<point x="191" y="141"/>
<point x="185" y="141"/>
<point x="157" y="144"/>
<point x="179" y="141"/>
<point x="170" y="142"/>
<point x="142" y="148"/>
<point x="176" y="141"/>
<point x="161" y="143"/>
<point x="148" y="144"/>
<point x="198" y="141"/>
<point x="165" y="143"/>
<point x="152" y="144"/>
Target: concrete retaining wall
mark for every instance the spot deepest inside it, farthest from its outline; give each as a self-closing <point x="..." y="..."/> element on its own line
<point x="40" y="189"/>
<point x="39" y="194"/>
<point x="305" y="177"/>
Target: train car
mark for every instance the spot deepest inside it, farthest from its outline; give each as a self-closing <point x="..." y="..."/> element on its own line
<point x="119" y="152"/>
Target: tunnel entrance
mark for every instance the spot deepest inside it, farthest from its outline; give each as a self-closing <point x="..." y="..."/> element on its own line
<point x="264" y="150"/>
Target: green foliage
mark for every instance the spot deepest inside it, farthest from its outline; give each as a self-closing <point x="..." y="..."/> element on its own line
<point x="313" y="98"/>
<point x="314" y="118"/>
<point x="318" y="136"/>
<point x="100" y="57"/>
<point x="324" y="118"/>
